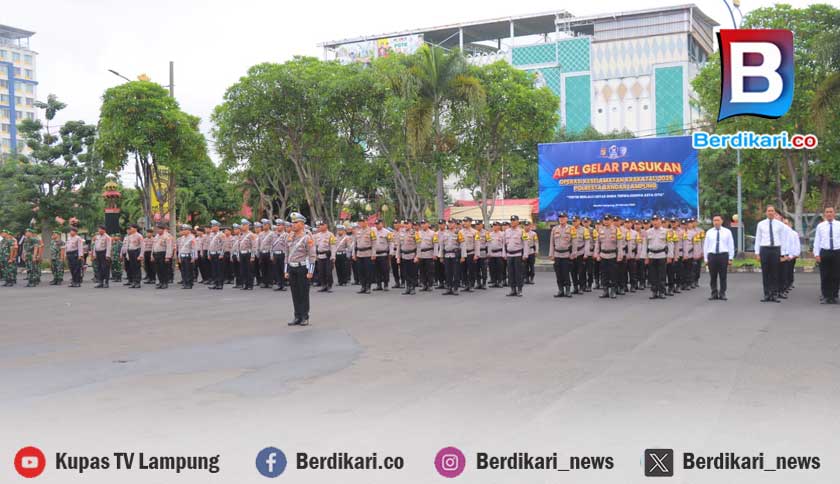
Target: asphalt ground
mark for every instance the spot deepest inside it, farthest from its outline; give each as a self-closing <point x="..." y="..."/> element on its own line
<point x="92" y="371"/>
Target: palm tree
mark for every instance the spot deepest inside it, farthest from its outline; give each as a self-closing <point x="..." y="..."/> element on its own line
<point x="444" y="84"/>
<point x="827" y="95"/>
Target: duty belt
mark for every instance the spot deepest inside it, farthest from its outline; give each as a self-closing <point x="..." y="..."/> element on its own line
<point x="518" y="252"/>
<point x="408" y="251"/>
<point x="278" y="252"/>
<point x="427" y="250"/>
<point x="651" y="251"/>
<point x="385" y="252"/>
<point x="495" y="251"/>
<point x="244" y="252"/>
<point x="450" y="251"/>
<point x="213" y="252"/>
<point x="471" y="253"/>
<point x="265" y="252"/>
<point x="185" y="256"/>
<point x="322" y="252"/>
<point x="295" y="264"/>
<point x="609" y="251"/>
<point x="562" y="251"/>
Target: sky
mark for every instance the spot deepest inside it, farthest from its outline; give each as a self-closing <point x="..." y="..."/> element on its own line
<point x="214" y="42"/>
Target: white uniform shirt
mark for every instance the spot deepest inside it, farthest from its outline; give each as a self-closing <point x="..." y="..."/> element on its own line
<point x="827" y="236"/>
<point x="763" y="238"/>
<point x="727" y="244"/>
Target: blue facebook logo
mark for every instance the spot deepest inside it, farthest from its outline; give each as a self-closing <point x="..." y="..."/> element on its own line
<point x="271" y="462"/>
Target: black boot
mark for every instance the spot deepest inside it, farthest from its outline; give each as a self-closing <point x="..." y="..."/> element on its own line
<point x="612" y="293"/>
<point x="606" y="294"/>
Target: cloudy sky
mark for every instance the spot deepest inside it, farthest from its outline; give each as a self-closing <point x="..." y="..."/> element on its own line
<point x="213" y="42"/>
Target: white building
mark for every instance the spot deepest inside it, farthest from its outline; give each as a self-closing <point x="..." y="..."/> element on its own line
<point x="18" y="86"/>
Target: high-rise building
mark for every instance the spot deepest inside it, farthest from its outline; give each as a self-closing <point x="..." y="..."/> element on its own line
<point x="615" y="71"/>
<point x="18" y="86"/>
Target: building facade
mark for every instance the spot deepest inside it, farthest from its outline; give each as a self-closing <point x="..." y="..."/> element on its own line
<point x="617" y="71"/>
<point x="18" y="86"/>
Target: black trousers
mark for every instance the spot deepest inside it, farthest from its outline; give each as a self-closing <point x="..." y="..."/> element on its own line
<point x="516" y="271"/>
<point x="608" y="273"/>
<point x="440" y="273"/>
<point x="671" y="272"/>
<point x="365" y="269"/>
<point x="161" y="267"/>
<point x="590" y="269"/>
<point x="299" y="285"/>
<point x="468" y="271"/>
<point x="718" y="266"/>
<point x="203" y="264"/>
<point x="770" y="266"/>
<point x="632" y="266"/>
<point x="279" y="264"/>
<point x="408" y="270"/>
<point x="656" y="272"/>
<point x="149" y="265"/>
<point x="325" y="277"/>
<point x="427" y="272"/>
<point x="132" y="266"/>
<point x="216" y="272"/>
<point x="396" y="270"/>
<point x="246" y="270"/>
<point x="687" y="274"/>
<point x="451" y="266"/>
<point x="75" y="267"/>
<point x="186" y="270"/>
<point x="578" y="274"/>
<point x="104" y="267"/>
<point x="829" y="273"/>
<point x="787" y="273"/>
<point x="381" y="265"/>
<point x="342" y="269"/>
<point x="354" y="267"/>
<point x="530" y="270"/>
<point x="496" y="270"/>
<point x="266" y="271"/>
<point x="562" y="271"/>
<point x="481" y="270"/>
<point x="227" y="267"/>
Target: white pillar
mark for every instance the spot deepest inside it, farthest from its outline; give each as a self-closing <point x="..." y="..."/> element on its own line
<point x="461" y="38"/>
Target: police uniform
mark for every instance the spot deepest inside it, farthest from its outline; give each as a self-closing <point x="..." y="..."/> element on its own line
<point x="74" y="251"/>
<point x="299" y="268"/>
<point x="234" y="256"/>
<point x="396" y="270"/>
<point x="495" y="250"/>
<point x="363" y="242"/>
<point x="161" y="254"/>
<point x="533" y="249"/>
<point x="278" y="254"/>
<point x="148" y="264"/>
<point x="133" y="247"/>
<point x="561" y="249"/>
<point x="427" y="254"/>
<point x="516" y="250"/>
<point x="406" y="248"/>
<point x="343" y="244"/>
<point x="325" y="247"/>
<point x="482" y="239"/>
<point x="248" y="246"/>
<point x="654" y="249"/>
<point x="467" y="236"/>
<point x="381" y="251"/>
<point x="102" y="250"/>
<point x="449" y="251"/>
<point x="607" y="252"/>
<point x="215" y="255"/>
<point x="187" y="256"/>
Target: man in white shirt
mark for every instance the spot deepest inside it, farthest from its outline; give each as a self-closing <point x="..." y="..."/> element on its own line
<point x="827" y="252"/>
<point x="718" y="252"/>
<point x="769" y="238"/>
<point x="790" y="252"/>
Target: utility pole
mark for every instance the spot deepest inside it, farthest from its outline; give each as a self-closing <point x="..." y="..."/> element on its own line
<point x="741" y="225"/>
<point x="173" y="224"/>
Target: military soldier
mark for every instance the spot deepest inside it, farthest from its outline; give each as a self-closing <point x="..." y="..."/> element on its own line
<point x="449" y="250"/>
<point x="561" y="250"/>
<point x="655" y="251"/>
<point x="74" y="251"/>
<point x="234" y="256"/>
<point x="278" y="253"/>
<point x="148" y="243"/>
<point x="101" y="247"/>
<point x="300" y="265"/>
<point x="57" y="256"/>
<point x="31" y="250"/>
<point x="248" y="243"/>
<point x="381" y="250"/>
<point x="467" y="237"/>
<point x="407" y="242"/>
<point x="363" y="254"/>
<point x="533" y="250"/>
<point x="517" y="249"/>
<point x="607" y="254"/>
<point x="133" y="249"/>
<point x="427" y="255"/>
<point x="162" y="255"/>
<point x="8" y="254"/>
<point x="495" y="251"/>
<point x="342" y="252"/>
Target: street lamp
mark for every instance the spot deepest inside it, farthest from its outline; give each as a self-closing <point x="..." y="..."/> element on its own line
<point x="735" y="25"/>
<point x="112" y="71"/>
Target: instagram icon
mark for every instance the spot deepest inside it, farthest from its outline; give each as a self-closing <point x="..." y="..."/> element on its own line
<point x="450" y="462"/>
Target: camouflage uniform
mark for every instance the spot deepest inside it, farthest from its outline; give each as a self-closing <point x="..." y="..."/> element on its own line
<point x="33" y="268"/>
<point x="116" y="261"/>
<point x="56" y="264"/>
<point x="8" y="271"/>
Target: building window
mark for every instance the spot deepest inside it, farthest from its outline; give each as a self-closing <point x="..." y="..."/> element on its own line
<point x="27" y="59"/>
<point x="4" y="99"/>
<point x="18" y="100"/>
<point x="4" y="84"/>
<point x="29" y="101"/>
<point x="4" y="114"/>
<point x="17" y="71"/>
<point x="3" y="54"/>
<point x="29" y="89"/>
<point x="16" y="56"/>
<point x="28" y="74"/>
<point x="30" y="116"/>
<point x="4" y="128"/>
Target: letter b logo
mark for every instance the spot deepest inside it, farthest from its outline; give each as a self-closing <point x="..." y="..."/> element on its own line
<point x="756" y="73"/>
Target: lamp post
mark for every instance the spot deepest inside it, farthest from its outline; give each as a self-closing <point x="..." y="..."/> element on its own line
<point x="735" y="25"/>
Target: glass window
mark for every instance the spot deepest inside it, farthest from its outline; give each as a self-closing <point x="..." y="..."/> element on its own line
<point x="27" y="59"/>
<point x="4" y="98"/>
<point x="18" y="100"/>
<point x="30" y="115"/>
<point x="4" y="84"/>
<point x="16" y="56"/>
<point x="17" y="71"/>
<point x="29" y="101"/>
<point x="3" y="54"/>
<point x="4" y="128"/>
<point x="28" y="74"/>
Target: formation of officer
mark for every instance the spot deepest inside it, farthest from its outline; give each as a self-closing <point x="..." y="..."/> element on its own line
<point x="777" y="246"/>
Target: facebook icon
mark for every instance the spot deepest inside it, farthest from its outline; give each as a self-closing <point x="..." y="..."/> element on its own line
<point x="271" y="462"/>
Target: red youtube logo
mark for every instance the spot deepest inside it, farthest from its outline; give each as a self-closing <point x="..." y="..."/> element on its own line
<point x="30" y="462"/>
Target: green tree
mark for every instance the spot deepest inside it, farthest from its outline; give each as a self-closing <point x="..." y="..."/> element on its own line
<point x="444" y="87"/>
<point x="141" y="123"/>
<point x="59" y="175"/>
<point x="500" y="135"/>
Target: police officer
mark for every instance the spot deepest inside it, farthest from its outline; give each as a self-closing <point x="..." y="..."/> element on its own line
<point x="495" y="251"/>
<point x="655" y="251"/>
<point x="161" y="255"/>
<point x="467" y="237"/>
<point x="481" y="255"/>
<point x="363" y="254"/>
<point x="148" y="264"/>
<point x="215" y="255"/>
<point x="133" y="246"/>
<point x="440" y="274"/>
<point x="278" y="253"/>
<point x="102" y="250"/>
<point x="187" y="254"/>
<point x="533" y="249"/>
<point x="381" y="251"/>
<point x="561" y="250"/>
<point x="325" y="247"/>
<point x="299" y="268"/>
<point x="607" y="254"/>
<point x="342" y="255"/>
<point x="516" y="250"/>
<point x="236" y="267"/>
<point x="449" y="251"/>
<point x="248" y="244"/>
<point x="427" y="255"/>
<point x="407" y="241"/>
<point x="74" y="249"/>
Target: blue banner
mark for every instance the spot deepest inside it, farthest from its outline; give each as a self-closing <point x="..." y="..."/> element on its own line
<point x="631" y="178"/>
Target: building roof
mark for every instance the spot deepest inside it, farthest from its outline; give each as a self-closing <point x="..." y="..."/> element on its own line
<point x="14" y="33"/>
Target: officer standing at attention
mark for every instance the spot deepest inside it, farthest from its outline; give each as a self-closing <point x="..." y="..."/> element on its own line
<point x="343" y="244"/>
<point x="440" y="273"/>
<point x="57" y="256"/>
<point x="578" y="262"/>
<point x="247" y="254"/>
<point x="267" y="237"/>
<point x="494" y="251"/>
<point x="393" y="259"/>
<point x="363" y="241"/>
<point x="102" y="251"/>
<point x="561" y="250"/>
<point x="827" y="253"/>
<point x="769" y="237"/>
<point x="449" y="251"/>
<point x="161" y="254"/>
<point x="718" y="251"/>
<point x="655" y="251"/>
<point x="74" y="249"/>
<point x="325" y="247"/>
<point x="516" y="249"/>
<point x="482" y="240"/>
<point x="118" y="252"/>
<point x="606" y="253"/>
<point x="187" y="254"/>
<point x="427" y="255"/>
<point x="148" y="264"/>
<point x="300" y="266"/>
<point x="215" y="254"/>
<point x="278" y="254"/>
<point x="406" y="248"/>
<point x="382" y="249"/>
<point x="133" y="246"/>
<point x="533" y="249"/>
<point x="468" y="250"/>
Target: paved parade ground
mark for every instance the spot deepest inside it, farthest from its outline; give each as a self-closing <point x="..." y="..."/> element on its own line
<point x="221" y="372"/>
